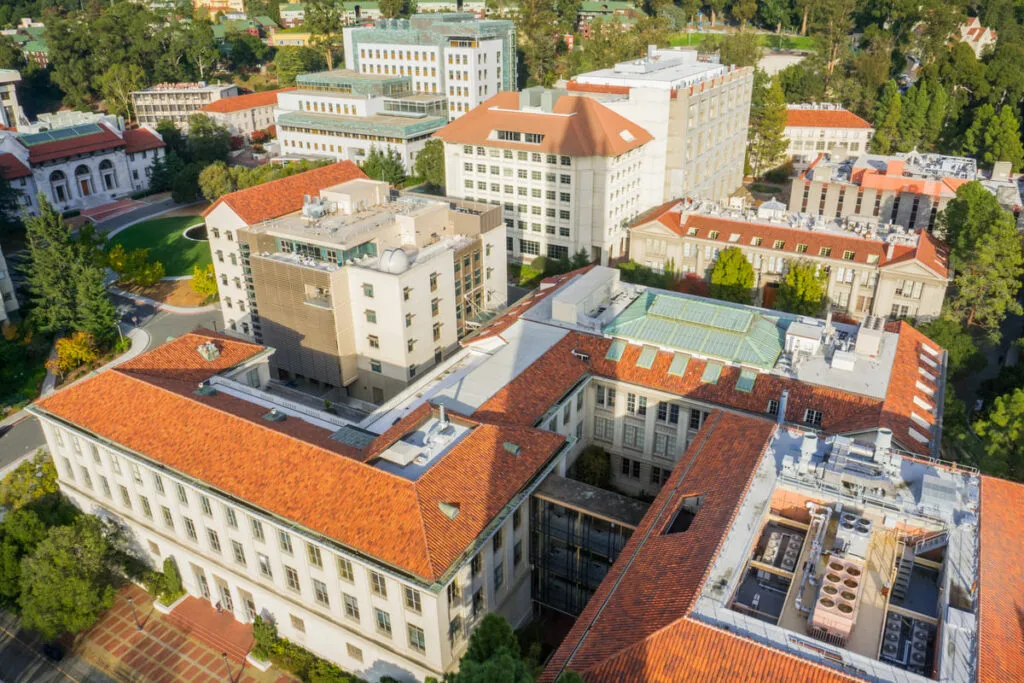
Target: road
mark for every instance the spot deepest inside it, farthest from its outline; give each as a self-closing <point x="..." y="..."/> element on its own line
<point x="21" y="440"/>
<point x="20" y="662"/>
<point x="138" y="214"/>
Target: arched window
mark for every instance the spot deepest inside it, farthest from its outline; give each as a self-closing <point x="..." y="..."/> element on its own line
<point x="83" y="180"/>
<point x="108" y="175"/>
<point x="59" y="187"/>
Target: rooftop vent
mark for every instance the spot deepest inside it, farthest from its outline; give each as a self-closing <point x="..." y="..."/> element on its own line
<point x="511" y="447"/>
<point x="581" y="355"/>
<point x="274" y="415"/>
<point x="449" y="510"/>
<point x="205" y="389"/>
<point x="209" y="351"/>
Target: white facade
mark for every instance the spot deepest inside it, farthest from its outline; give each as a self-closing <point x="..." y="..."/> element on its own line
<point x="11" y="115"/>
<point x="176" y="102"/>
<point x="245" y="122"/>
<point x="8" y="300"/>
<point x="815" y="129"/>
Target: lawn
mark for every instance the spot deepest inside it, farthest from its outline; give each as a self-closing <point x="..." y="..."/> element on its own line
<point x="767" y="40"/>
<point x="164" y="238"/>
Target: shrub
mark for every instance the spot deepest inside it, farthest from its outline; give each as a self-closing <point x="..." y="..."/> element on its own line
<point x="150" y="274"/>
<point x="204" y="281"/>
<point x="73" y="351"/>
<point x="267" y="645"/>
<point x="780" y="174"/>
<point x="594" y="467"/>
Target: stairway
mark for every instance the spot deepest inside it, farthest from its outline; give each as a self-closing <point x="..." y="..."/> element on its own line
<point x="902" y="582"/>
<point x="218" y="631"/>
<point x="931" y="542"/>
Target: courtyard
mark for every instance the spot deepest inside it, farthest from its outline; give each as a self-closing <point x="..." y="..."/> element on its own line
<point x="165" y="238"/>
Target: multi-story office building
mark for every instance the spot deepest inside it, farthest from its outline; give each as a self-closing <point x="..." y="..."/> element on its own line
<point x="909" y="189"/>
<point x="696" y="111"/>
<point x="565" y="169"/>
<point x="342" y="115"/>
<point x="176" y="102"/>
<point x="223" y="6"/>
<point x="359" y="287"/>
<point x="873" y="268"/>
<point x="245" y="114"/>
<point x="11" y="115"/>
<point x="8" y="300"/>
<point x="456" y="55"/>
<point x="815" y="129"/>
<point x="79" y="166"/>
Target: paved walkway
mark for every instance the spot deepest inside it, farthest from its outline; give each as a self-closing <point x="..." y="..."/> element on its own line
<point x="163" y="651"/>
<point x="139" y="339"/>
<point x="111" y="210"/>
<point x="159" y="305"/>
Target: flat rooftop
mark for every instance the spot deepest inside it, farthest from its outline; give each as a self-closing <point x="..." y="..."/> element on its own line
<point x="668" y="68"/>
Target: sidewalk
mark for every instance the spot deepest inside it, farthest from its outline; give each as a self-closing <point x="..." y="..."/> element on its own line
<point x="162" y="651"/>
<point x="145" y="300"/>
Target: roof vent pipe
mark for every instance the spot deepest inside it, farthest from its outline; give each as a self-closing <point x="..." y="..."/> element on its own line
<point x="883" y="439"/>
<point x="443" y="414"/>
<point x="808" y="447"/>
<point x="783" y="400"/>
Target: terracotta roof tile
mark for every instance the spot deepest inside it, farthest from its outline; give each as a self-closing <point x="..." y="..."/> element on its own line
<point x="283" y="196"/>
<point x="11" y="167"/>
<point x="1001" y="603"/>
<point x="821" y="118"/>
<point x="141" y="139"/>
<point x="580" y="126"/>
<point x="83" y="144"/>
<point x="226" y="105"/>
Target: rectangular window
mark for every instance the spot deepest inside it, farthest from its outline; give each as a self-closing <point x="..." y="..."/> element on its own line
<point x="292" y="578"/>
<point x="285" y="541"/>
<point x="351" y="606"/>
<point x="499" y="576"/>
<point x="773" y="407"/>
<point x="257" y="530"/>
<point x="378" y="584"/>
<point x="474" y="565"/>
<point x="214" y="540"/>
<point x="371" y="316"/>
<point x="320" y="593"/>
<point x="264" y="564"/>
<point x="412" y="600"/>
<point x="417" y="640"/>
<point x="812" y="417"/>
<point x="238" y="552"/>
<point x="168" y="518"/>
<point x="517" y="518"/>
<point x="190" y="529"/>
<point x="383" y="622"/>
<point x="158" y="483"/>
<point x="517" y="553"/>
<point x="315" y="558"/>
<point x="345" y="569"/>
<point x="498" y="540"/>
<point x="125" y="498"/>
<point x="604" y="429"/>
<point x="205" y="503"/>
<point x="633" y="436"/>
<point x="298" y="624"/>
<point x="182" y="495"/>
<point x="146" y="509"/>
<point x="695" y="419"/>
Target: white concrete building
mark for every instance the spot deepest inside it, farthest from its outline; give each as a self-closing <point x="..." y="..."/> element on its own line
<point x="176" y="102"/>
<point x="11" y="115"/>
<point x="342" y="115"/>
<point x="79" y="167"/>
<point x="823" y="128"/>
<point x="8" y="300"/>
<point x="697" y="112"/>
<point x="457" y="55"/>
<point x="977" y="36"/>
<point x="245" y="114"/>
<point x="566" y="170"/>
<point x="359" y="290"/>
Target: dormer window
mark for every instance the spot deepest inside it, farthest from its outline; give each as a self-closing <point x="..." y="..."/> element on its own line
<point x="713" y="235"/>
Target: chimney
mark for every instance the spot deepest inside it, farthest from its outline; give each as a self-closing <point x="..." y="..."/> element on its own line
<point x="783" y="401"/>
<point x="443" y="415"/>
<point x="890" y="251"/>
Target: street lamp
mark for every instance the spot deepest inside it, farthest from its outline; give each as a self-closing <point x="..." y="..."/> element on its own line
<point x="224" y="656"/>
<point x="134" y="615"/>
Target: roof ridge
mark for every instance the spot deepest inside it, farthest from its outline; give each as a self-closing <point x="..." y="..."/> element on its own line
<point x="423" y="531"/>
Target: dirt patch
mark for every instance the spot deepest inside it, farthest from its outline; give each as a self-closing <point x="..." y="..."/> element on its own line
<point x="171" y="292"/>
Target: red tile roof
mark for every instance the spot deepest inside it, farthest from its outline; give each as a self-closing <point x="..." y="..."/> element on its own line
<point x="1001" y="602"/>
<point x="293" y="470"/>
<point x="141" y="139"/>
<point x="821" y="118"/>
<point x="11" y="167"/>
<point x="226" y="105"/>
<point x="578" y="126"/>
<point x="283" y="196"/>
<point x="83" y="144"/>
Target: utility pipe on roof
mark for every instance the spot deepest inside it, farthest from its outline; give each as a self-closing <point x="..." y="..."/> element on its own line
<point x="820" y="516"/>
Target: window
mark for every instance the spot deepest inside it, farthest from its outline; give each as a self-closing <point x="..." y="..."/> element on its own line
<point x="498" y="540"/>
<point x="182" y="495"/>
<point x="665" y="445"/>
<point x="378" y="584"/>
<point x="298" y="624"/>
<point x="136" y="474"/>
<point x="848" y="255"/>
<point x="668" y="412"/>
<point x="695" y="419"/>
<point x="320" y="593"/>
<point x="529" y="248"/>
<point x="168" y="518"/>
<point x="351" y="606"/>
<point x="264" y="565"/>
<point x="238" y="552"/>
<point x="605" y="397"/>
<point x="499" y="576"/>
<point x="190" y="529"/>
<point x="517" y="553"/>
<point x="417" y="641"/>
<point x="125" y="498"/>
<point x="812" y="417"/>
<point x="773" y="407"/>
<point x="371" y="316"/>
<point x="633" y="436"/>
<point x="408" y="319"/>
<point x="517" y="519"/>
<point x="257" y="530"/>
<point x="478" y="601"/>
<point x="285" y="541"/>
<point x="383" y="622"/>
<point x="354" y="652"/>
<point x="115" y="462"/>
<point x="604" y="429"/>
<point x="375" y="366"/>
<point x="825" y="251"/>
<point x="291" y="578"/>
<point x="412" y="600"/>
<point x="205" y="503"/>
<point x="146" y="509"/>
<point x="630" y="468"/>
<point x="214" y="540"/>
<point x="345" y="569"/>
<point x="232" y="519"/>
<point x="659" y="475"/>
<point x="315" y="558"/>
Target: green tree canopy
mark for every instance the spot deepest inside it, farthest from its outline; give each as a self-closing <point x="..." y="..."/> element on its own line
<point x="208" y="141"/>
<point x="384" y="165"/>
<point x="51" y="270"/>
<point x="802" y="290"/>
<point x="963" y="353"/>
<point x="887" y="120"/>
<point x="732" y="278"/>
<point x="29" y="481"/>
<point x="95" y="311"/>
<point x="324" y="21"/>
<point x="768" y="142"/>
<point x="292" y="61"/>
<point x="117" y="84"/>
<point x="430" y="163"/>
<point x="492" y="635"/>
<point x="1003" y="433"/>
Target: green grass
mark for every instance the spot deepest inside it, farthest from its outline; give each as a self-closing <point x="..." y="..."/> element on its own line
<point x="767" y="40"/>
<point x="164" y="238"/>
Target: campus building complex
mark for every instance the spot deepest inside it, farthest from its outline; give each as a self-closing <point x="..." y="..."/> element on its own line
<point x="343" y="114"/>
<point x="816" y="129"/>
<point x="697" y="113"/>
<point x="176" y="102"/>
<point x="11" y="115"/>
<point x="873" y="268"/>
<point x="455" y="55"/>
<point x="566" y="170"/>
<point x="79" y="166"/>
<point x="358" y="287"/>
<point x="245" y="114"/>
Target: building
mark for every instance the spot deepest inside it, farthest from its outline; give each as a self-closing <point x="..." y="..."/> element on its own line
<point x="696" y="111"/>
<point x="8" y="299"/>
<point x="357" y="287"/>
<point x="874" y="269"/>
<point x="815" y="129"/>
<point x="292" y="13"/>
<point x="80" y="166"/>
<point x="457" y="55"/>
<point x="176" y="102"/>
<point x="603" y="11"/>
<point x="245" y="114"/>
<point x="293" y="37"/>
<point x="565" y="168"/>
<point x="977" y="36"/>
<point x="618" y="22"/>
<point x="343" y="114"/>
<point x="908" y="189"/>
<point x="11" y="115"/>
<point x="222" y="6"/>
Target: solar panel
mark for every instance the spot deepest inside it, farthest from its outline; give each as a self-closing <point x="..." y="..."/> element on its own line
<point x="647" y="356"/>
<point x="712" y="371"/>
<point x="60" y="134"/>
<point x="746" y="381"/>
<point x="615" y="350"/>
<point x="679" y="363"/>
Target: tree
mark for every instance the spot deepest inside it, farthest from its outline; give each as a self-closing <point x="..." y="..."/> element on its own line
<point x="964" y="356"/>
<point x="50" y="274"/>
<point x="204" y="281"/>
<point x="1003" y="433"/>
<point x="768" y="142"/>
<point x="503" y="667"/>
<point x="324" y="21"/>
<point x="208" y="141"/>
<point x="832" y="29"/>
<point x="117" y="84"/>
<point x="389" y="9"/>
<point x="1002" y="140"/>
<point x="30" y="481"/>
<point x="430" y="163"/>
<point x="95" y="313"/>
<point x="65" y="583"/>
<point x="887" y="119"/>
<point x="732" y="278"/>
<point x="802" y="290"/>
<point x="78" y="349"/>
<point x="913" y="116"/>
<point x="743" y="11"/>
<point x="21" y="532"/>
<point x="536" y="35"/>
<point x="801" y="83"/>
<point x="173" y="138"/>
<point x="935" y="119"/>
<point x="739" y="49"/>
<point x="292" y="61"/>
<point x="492" y="635"/>
<point x="386" y="166"/>
<point x="202" y="49"/>
<point x="216" y="181"/>
<point x="594" y="467"/>
<point x="9" y="196"/>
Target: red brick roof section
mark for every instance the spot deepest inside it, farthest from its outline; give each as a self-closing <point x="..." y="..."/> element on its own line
<point x="293" y="469"/>
<point x="83" y="144"/>
<point x="11" y="167"/>
<point x="226" y="105"/>
<point x="1001" y="605"/>
<point x="659" y="575"/>
<point x="283" y="196"/>
<point x="820" y="118"/>
<point x="930" y="252"/>
<point x="907" y="383"/>
<point x="141" y="139"/>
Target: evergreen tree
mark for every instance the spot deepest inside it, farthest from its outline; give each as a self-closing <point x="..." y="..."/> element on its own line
<point x="973" y="143"/>
<point x="802" y="290"/>
<point x="887" y="120"/>
<point x="324" y="21"/>
<point x="913" y="116"/>
<point x="430" y="163"/>
<point x="767" y="127"/>
<point x="935" y="119"/>
<point x="51" y="271"/>
<point x="732" y="278"/>
<point x="1003" y="433"/>
<point x="386" y="166"/>
<point x="1002" y="141"/>
<point x="8" y="205"/>
<point x="95" y="312"/>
